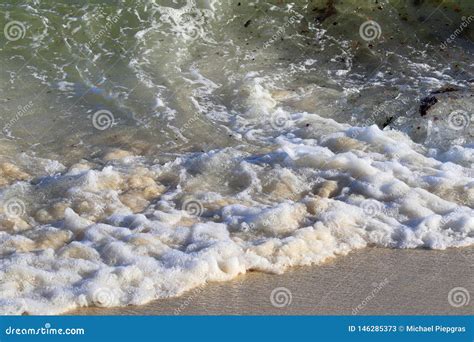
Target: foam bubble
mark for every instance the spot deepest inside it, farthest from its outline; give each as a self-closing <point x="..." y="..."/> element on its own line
<point x="119" y="236"/>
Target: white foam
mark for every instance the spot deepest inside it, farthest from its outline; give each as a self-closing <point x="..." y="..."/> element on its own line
<point x="306" y="200"/>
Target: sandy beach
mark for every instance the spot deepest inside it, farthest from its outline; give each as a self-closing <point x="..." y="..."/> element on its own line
<point x="372" y="281"/>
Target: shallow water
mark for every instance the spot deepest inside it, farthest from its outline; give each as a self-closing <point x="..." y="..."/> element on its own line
<point x="149" y="148"/>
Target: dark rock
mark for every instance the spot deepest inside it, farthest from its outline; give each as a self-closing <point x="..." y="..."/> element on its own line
<point x="427" y="103"/>
<point x="446" y="89"/>
<point x="326" y="12"/>
<point x="387" y="122"/>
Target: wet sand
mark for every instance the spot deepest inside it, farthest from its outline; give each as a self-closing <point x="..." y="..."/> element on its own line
<point x="372" y="281"/>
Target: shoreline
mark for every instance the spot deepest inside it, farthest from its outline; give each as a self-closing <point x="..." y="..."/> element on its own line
<point x="371" y="281"/>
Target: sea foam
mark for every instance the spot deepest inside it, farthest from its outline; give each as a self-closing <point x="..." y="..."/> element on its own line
<point x="212" y="216"/>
